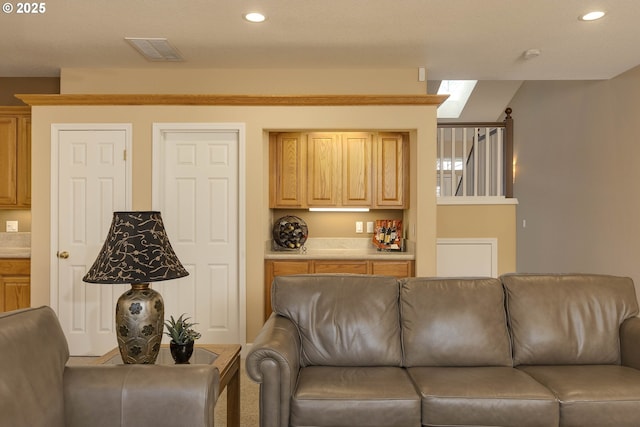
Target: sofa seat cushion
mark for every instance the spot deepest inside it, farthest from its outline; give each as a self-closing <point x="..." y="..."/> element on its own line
<point x="454" y="322"/>
<point x="355" y="396"/>
<point x="486" y="396"/>
<point x="593" y="395"/>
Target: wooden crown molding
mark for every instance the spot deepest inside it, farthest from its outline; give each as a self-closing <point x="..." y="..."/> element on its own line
<point x="230" y="100"/>
<point x="12" y="110"/>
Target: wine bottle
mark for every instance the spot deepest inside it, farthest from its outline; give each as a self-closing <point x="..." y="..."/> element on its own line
<point x="387" y="235"/>
<point x="381" y="233"/>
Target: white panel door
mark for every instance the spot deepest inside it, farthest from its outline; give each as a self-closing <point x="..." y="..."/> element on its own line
<point x="197" y="190"/>
<point x="90" y="179"/>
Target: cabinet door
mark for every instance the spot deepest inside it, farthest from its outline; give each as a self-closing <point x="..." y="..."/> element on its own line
<point x="16" y="292"/>
<point x="323" y="163"/>
<point x="392" y="183"/>
<point x="8" y="161"/>
<point x="287" y="171"/>
<point x="357" y="153"/>
<point x="397" y="269"/>
<point x="330" y="266"/>
<point x="24" y="162"/>
<point x="280" y="268"/>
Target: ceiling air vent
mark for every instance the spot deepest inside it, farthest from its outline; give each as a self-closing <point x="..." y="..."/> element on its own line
<point x="155" y="49"/>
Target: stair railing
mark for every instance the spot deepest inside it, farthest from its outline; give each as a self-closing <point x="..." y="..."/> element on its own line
<point x="475" y="159"/>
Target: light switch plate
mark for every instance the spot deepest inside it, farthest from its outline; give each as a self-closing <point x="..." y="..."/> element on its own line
<point x="12" y="226"/>
<point x="369" y="226"/>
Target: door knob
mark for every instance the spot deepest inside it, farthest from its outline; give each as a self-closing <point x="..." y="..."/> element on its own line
<point x="63" y="254"/>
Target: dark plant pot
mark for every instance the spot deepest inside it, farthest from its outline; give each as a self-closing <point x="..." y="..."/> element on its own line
<point x="181" y="353"/>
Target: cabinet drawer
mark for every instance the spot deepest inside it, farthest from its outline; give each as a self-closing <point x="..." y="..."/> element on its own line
<point x="15" y="267"/>
<point x="351" y="267"/>
<point x="397" y="269"/>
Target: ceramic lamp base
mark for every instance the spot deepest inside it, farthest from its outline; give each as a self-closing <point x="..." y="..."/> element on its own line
<point x="139" y="324"/>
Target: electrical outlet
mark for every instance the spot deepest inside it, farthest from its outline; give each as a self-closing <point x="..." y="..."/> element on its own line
<point x="12" y="226"/>
<point x="359" y="228"/>
<point x="369" y="226"/>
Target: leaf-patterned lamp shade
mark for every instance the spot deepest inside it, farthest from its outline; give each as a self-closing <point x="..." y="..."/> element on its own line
<point x="137" y="250"/>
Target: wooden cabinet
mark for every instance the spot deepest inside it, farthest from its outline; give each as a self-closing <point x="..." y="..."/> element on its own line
<point x="286" y="170"/>
<point x="339" y="169"/>
<point x="357" y="163"/>
<point x="15" y="284"/>
<point x="273" y="268"/>
<point x="15" y="157"/>
<point x="24" y="162"/>
<point x="323" y="169"/>
<point x="392" y="162"/>
<point x="342" y="266"/>
<point x="397" y="269"/>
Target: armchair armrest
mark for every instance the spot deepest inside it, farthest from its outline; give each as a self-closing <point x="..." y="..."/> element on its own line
<point x="630" y="342"/>
<point x="274" y="362"/>
<point x="140" y="395"/>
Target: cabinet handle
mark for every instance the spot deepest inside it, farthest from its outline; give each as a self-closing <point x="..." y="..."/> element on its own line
<point x="63" y="254"/>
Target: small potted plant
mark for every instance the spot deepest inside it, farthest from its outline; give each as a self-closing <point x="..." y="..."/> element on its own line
<point x="182" y="337"/>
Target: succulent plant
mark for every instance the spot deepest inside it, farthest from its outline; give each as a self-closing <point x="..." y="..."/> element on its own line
<point x="181" y="330"/>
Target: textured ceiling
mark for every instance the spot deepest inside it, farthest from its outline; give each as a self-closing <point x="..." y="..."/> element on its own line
<point x="452" y="39"/>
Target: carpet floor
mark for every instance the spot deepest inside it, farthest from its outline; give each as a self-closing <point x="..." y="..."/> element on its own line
<point x="249" y="398"/>
<point x="249" y="403"/>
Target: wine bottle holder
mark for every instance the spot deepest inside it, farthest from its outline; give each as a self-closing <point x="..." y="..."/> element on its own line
<point x="289" y="233"/>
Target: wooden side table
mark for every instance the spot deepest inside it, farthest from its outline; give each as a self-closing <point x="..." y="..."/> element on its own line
<point x="225" y="357"/>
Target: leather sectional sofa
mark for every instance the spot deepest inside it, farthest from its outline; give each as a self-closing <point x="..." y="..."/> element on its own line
<point x="37" y="389"/>
<point x="521" y="351"/>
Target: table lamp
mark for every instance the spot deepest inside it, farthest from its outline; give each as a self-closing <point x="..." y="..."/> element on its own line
<point x="137" y="251"/>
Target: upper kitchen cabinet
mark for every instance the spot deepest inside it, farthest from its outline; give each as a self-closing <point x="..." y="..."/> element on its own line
<point x="392" y="171"/>
<point x="357" y="161"/>
<point x="324" y="163"/>
<point x="338" y="169"/>
<point x="287" y="176"/>
<point x="15" y="157"/>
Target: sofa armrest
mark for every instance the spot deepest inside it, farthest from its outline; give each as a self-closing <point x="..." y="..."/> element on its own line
<point x="630" y="342"/>
<point x="274" y="362"/>
<point x="140" y="395"/>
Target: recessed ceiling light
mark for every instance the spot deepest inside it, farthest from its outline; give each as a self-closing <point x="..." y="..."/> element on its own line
<point x="592" y="16"/>
<point x="254" y="17"/>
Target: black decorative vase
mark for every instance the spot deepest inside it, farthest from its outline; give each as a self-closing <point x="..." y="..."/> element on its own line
<point x="181" y="353"/>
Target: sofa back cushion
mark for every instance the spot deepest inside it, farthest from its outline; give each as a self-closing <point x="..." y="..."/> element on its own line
<point x="343" y="319"/>
<point x="454" y="322"/>
<point x="32" y="359"/>
<point x="568" y="319"/>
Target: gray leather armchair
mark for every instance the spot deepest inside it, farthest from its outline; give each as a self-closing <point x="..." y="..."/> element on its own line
<point x="38" y="389"/>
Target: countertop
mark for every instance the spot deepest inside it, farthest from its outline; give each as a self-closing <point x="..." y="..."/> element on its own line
<point x="339" y="248"/>
<point x="15" y="245"/>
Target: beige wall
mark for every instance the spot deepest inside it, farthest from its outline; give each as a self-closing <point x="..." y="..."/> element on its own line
<point x="420" y="121"/>
<point x="23" y="216"/>
<point x="577" y="175"/>
<point x="476" y="221"/>
<point x="267" y="81"/>
<point x="337" y="224"/>
<point x="258" y="120"/>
